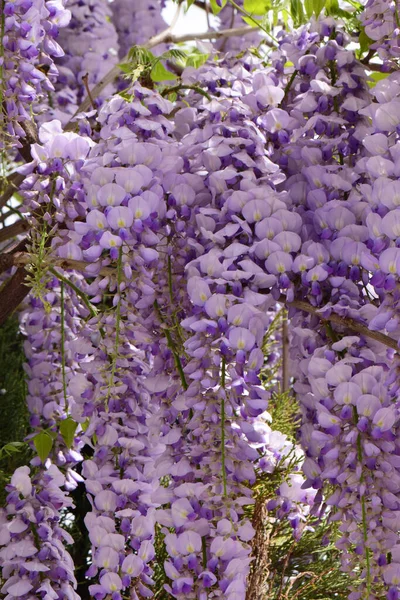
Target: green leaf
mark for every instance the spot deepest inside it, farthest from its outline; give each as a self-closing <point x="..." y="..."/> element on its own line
<point x="250" y="21"/>
<point x="375" y="78"/>
<point x="364" y="41"/>
<point x="314" y="7"/>
<point x="160" y="73"/>
<point x="43" y="444"/>
<point x="196" y="59"/>
<point x="85" y="424"/>
<point x="332" y="8"/>
<point x="297" y="12"/>
<point x="174" y="53"/>
<point x="67" y="430"/>
<point x="257" y="7"/>
<point x="11" y="448"/>
<point x="215" y="8"/>
<point x="189" y="4"/>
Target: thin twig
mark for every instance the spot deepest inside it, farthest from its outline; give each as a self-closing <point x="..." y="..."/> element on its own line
<point x="85" y="80"/>
<point x="347" y="322"/>
<point x="285" y="354"/>
<point x="24" y="258"/>
<point x="163" y="37"/>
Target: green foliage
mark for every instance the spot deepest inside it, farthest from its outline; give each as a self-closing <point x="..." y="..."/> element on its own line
<point x="314" y="7"/>
<point x="257" y="7"/>
<point x="159" y="573"/>
<point x="306" y="569"/>
<point x="43" y="443"/>
<point x="215" y="8"/>
<point x="284" y="411"/>
<point x="67" y="430"/>
<point x="144" y="65"/>
<point x="13" y="411"/>
<point x="193" y="57"/>
<point x="375" y="77"/>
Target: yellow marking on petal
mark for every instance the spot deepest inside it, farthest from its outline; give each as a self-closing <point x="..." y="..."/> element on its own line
<point x="138" y="213"/>
<point x="257" y="215"/>
<point x="121" y="223"/>
<point x="241" y="345"/>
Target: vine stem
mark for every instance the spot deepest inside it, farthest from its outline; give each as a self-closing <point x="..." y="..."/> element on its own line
<point x="171" y="346"/>
<point x="117" y="326"/>
<point x="223" y="385"/>
<point x="288" y="86"/>
<point x="285" y="354"/>
<point x="364" y="520"/>
<point x="78" y="292"/>
<point x="64" y="378"/>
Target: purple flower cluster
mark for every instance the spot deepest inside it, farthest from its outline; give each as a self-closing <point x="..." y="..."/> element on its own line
<point x="230" y="18"/>
<point x="33" y="557"/>
<point x="136" y="24"/>
<point x="90" y="45"/>
<point x="142" y="206"/>
<point x="27" y="72"/>
<point x="381" y="23"/>
<point x="197" y="218"/>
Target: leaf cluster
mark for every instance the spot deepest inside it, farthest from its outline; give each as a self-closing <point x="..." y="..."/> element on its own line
<point x="142" y="64"/>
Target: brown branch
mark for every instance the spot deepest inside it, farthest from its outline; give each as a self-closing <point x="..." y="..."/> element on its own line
<point x="14" y="181"/>
<point x="21" y="226"/>
<point x="6" y="215"/>
<point x="380" y="68"/>
<point x="12" y="294"/>
<point x="347" y="322"/>
<point x="257" y="583"/>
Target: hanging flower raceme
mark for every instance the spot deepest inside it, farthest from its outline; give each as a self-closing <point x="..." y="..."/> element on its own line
<point x="380" y="20"/>
<point x="33" y="557"/>
<point x="121" y="227"/>
<point x="214" y="264"/>
<point x="136" y="24"/>
<point x="27" y="72"/>
<point x="230" y="18"/>
<point x="349" y="433"/>
<point x="90" y="47"/>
